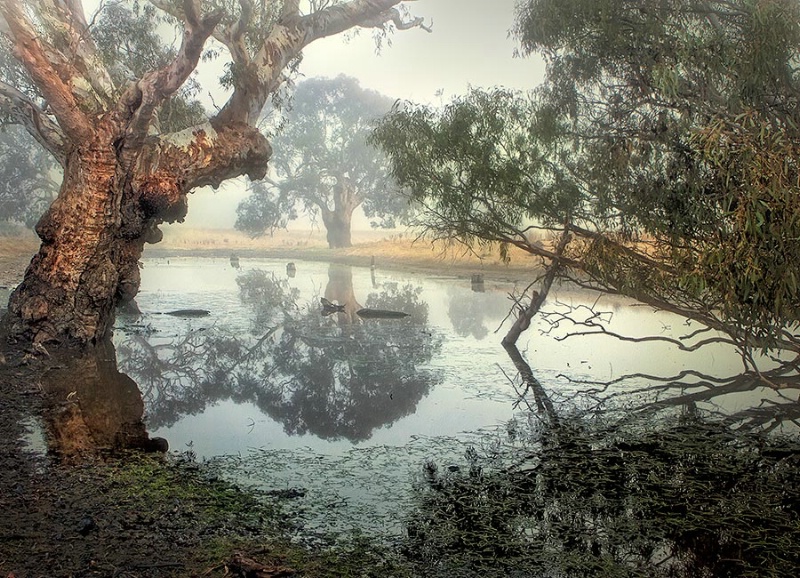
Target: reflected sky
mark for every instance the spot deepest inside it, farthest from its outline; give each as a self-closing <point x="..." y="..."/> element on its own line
<point x="447" y="404"/>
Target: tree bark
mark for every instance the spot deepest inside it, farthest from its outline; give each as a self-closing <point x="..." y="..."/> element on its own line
<point x="94" y="233"/>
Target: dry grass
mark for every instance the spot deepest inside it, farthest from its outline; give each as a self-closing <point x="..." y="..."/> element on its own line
<point x="15" y="254"/>
<point x="389" y="250"/>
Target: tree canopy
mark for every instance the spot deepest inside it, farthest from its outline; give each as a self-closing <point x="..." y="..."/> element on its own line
<point x="659" y="158"/>
<point x="323" y="164"/>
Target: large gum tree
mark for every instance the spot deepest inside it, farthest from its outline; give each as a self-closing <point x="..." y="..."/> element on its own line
<point x="123" y="175"/>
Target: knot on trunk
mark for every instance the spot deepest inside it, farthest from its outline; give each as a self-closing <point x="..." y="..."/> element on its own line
<point x="162" y="196"/>
<point x="240" y="149"/>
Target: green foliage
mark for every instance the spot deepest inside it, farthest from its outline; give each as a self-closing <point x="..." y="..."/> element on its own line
<point x="322" y="161"/>
<point x="751" y="258"/>
<point x="663" y="138"/>
<point x="477" y="166"/>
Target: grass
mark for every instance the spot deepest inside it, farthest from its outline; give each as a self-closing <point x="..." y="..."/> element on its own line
<point x="386" y="249"/>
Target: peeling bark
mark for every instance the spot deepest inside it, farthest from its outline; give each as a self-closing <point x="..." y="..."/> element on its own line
<point x="94" y="233"/>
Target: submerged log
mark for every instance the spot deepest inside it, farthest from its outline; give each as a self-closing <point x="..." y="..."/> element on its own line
<point x="188" y="313"/>
<point x="380" y="314"/>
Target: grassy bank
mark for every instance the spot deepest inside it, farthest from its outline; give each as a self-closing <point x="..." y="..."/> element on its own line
<point x="387" y="250"/>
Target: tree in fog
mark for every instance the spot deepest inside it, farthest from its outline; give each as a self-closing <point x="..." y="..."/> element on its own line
<point x="112" y="102"/>
<point x="323" y="165"/>
<point x="28" y="177"/>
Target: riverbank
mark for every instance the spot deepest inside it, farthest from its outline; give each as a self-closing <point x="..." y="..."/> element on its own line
<point x="393" y="251"/>
<point x="137" y="515"/>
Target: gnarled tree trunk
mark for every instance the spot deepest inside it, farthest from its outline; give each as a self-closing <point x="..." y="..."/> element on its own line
<point x="94" y="233"/>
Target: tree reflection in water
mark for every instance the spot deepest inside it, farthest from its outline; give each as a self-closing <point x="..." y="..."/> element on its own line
<point x="471" y="311"/>
<point x="333" y="377"/>
<point x="587" y="494"/>
<point x="90" y="406"/>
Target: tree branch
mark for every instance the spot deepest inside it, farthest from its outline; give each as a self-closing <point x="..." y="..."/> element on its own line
<point x="156" y="86"/>
<point x="77" y="52"/>
<point x="30" y="51"/>
<point x="25" y="112"/>
<point x="285" y="43"/>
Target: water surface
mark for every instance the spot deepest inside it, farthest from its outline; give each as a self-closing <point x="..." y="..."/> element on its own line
<point x="350" y="410"/>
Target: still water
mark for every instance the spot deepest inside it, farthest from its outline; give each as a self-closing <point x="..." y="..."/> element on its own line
<point x="345" y="411"/>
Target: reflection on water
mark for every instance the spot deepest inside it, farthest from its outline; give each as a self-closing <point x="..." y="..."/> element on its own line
<point x="333" y="377"/>
<point x="90" y="406"/>
<point x="285" y="392"/>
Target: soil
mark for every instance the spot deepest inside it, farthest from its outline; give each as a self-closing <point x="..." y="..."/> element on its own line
<point x="154" y="515"/>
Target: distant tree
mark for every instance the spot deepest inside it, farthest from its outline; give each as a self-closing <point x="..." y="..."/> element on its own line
<point x="660" y="154"/>
<point x="29" y="177"/>
<point x="323" y="164"/>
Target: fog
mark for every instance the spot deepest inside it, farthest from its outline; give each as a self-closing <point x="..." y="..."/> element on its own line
<point x="469" y="47"/>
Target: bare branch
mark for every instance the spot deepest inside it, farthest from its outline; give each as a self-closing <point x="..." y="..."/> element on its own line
<point x="40" y="126"/>
<point x="525" y="315"/>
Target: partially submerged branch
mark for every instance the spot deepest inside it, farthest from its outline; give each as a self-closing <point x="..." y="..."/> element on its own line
<point x="525" y="314"/>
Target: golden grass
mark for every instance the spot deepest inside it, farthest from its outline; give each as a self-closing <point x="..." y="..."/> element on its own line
<point x="388" y="248"/>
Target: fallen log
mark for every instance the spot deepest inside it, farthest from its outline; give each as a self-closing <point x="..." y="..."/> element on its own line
<point x="380" y="314"/>
<point x="187" y="313"/>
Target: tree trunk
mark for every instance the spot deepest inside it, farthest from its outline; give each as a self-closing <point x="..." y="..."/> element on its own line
<point x="94" y="233"/>
<point x="338" y="221"/>
<point x="337" y="225"/>
<point x="340" y="290"/>
<point x="70" y="285"/>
